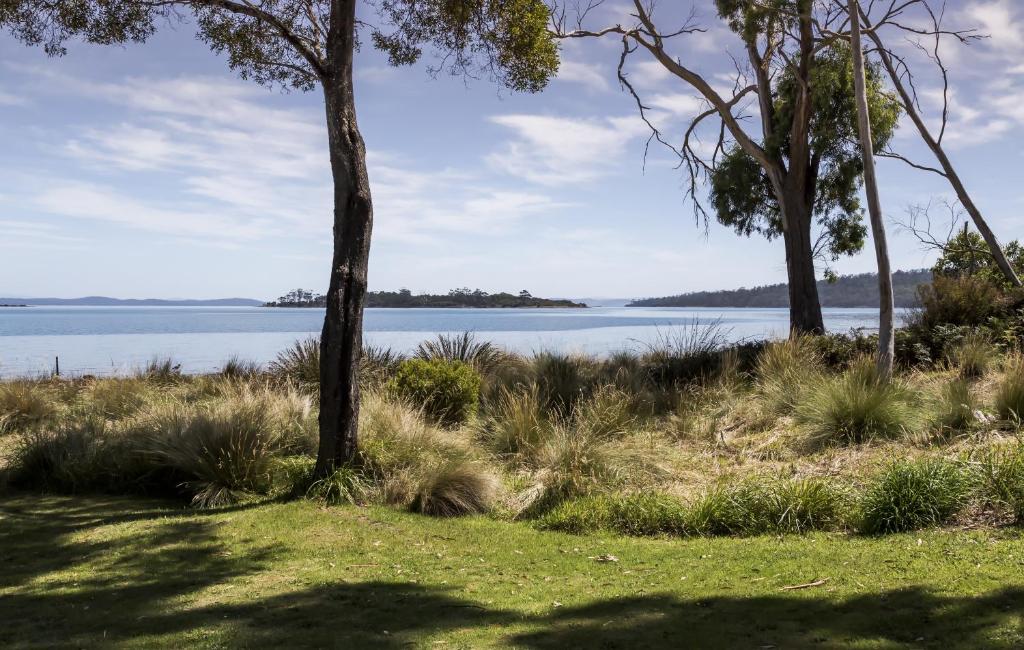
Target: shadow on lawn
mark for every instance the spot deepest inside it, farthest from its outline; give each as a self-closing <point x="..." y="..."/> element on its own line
<point x="135" y="598"/>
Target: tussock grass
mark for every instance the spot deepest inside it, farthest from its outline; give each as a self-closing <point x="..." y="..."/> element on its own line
<point x="685" y="354"/>
<point x="25" y="403"/>
<point x="455" y="489"/>
<point x="1009" y="394"/>
<point x="1001" y="474"/>
<point x="784" y="371"/>
<point x="909" y="495"/>
<point x="858" y="406"/>
<point x="299" y="364"/>
<point x="464" y="347"/>
<point x="117" y="398"/>
<point x="515" y="426"/>
<point x="563" y="379"/>
<point x="238" y="368"/>
<point x="758" y="506"/>
<point x="972" y="357"/>
<point x="163" y="370"/>
<point x="955" y="408"/>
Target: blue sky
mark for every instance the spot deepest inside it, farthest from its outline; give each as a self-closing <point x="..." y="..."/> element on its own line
<point x="152" y="171"/>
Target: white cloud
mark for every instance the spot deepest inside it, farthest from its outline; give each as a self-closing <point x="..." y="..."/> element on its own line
<point x="551" y="150"/>
<point x="592" y="76"/>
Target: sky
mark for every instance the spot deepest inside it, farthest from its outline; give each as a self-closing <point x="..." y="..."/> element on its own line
<point x="153" y="171"/>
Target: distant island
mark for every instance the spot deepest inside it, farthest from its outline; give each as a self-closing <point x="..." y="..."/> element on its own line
<point x="403" y="298"/>
<point x="104" y="301"/>
<point x="848" y="291"/>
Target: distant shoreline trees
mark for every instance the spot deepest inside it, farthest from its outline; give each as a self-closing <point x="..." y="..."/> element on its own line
<point x="403" y="298"/>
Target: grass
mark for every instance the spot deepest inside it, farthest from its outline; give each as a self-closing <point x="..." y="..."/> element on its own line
<point x="88" y="572"/>
<point x="915" y="494"/>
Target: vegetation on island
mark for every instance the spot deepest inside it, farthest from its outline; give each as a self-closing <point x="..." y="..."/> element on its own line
<point x="843" y="291"/>
<point x="403" y="298"/>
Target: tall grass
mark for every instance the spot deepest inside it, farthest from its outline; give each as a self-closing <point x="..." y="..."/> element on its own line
<point x="684" y="354"/>
<point x="1009" y="396"/>
<point x="784" y="371"/>
<point x="972" y="357"/>
<point x="858" y="406"/>
<point x="515" y="425"/>
<point x="300" y="364"/>
<point x="454" y="489"/>
<point x="914" y="494"/>
<point x="25" y="403"/>
<point x="1001" y="473"/>
<point x="464" y="347"/>
<point x="563" y="379"/>
<point x="955" y="408"/>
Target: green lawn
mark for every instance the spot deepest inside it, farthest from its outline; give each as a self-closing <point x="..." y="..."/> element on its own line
<point x="81" y="572"/>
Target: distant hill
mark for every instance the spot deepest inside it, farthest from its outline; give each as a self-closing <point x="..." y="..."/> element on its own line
<point x="104" y="301"/>
<point x="405" y="299"/>
<point x="848" y="291"/>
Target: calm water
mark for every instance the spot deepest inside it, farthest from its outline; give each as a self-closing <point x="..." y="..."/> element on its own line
<point x="110" y="340"/>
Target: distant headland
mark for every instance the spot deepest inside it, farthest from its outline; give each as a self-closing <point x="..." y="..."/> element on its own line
<point x="104" y="301"/>
<point x="470" y="298"/>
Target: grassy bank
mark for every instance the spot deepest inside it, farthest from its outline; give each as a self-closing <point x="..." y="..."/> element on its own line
<point x="102" y="571"/>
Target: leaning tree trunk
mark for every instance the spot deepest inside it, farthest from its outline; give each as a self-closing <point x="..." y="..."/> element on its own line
<point x="341" y="340"/>
<point x="947" y="166"/>
<point x="804" y="304"/>
<point x="886" y="350"/>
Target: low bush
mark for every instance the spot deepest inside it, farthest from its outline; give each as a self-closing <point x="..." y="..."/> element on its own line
<point x="447" y="391"/>
<point x="25" y="404"/>
<point x="910" y="495"/>
<point x="857" y="406"/>
<point x="454" y="489"/>
<point x="759" y="506"/>
<point x="957" y="300"/>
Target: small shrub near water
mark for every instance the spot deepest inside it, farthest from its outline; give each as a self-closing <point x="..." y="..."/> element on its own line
<point x="300" y="364"/>
<point x="464" y="347"/>
<point x="858" y="406"/>
<point x="447" y="391"/>
<point x="910" y="495"/>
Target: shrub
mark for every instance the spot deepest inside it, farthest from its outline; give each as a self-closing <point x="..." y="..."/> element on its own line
<point x="956" y="407"/>
<point x="685" y="354"/>
<point x="962" y="300"/>
<point x="454" y="489"/>
<point x="448" y="391"/>
<point x="25" y="404"/>
<point x="857" y="406"/>
<point x="345" y="486"/>
<point x="1009" y="397"/>
<point x="972" y="356"/>
<point x="784" y="370"/>
<point x="515" y="425"/>
<point x="482" y="355"/>
<point x="300" y="364"/>
<point x="914" y="494"/>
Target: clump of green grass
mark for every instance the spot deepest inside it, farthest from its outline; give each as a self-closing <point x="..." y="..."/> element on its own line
<point x="1001" y="473"/>
<point x="580" y="516"/>
<point x="238" y="368"/>
<point x="910" y="495"/>
<point x="682" y="355"/>
<point x="464" y="347"/>
<point x="344" y="486"/>
<point x="118" y="397"/>
<point x="455" y="489"/>
<point x="956" y="407"/>
<point x="515" y="426"/>
<point x="858" y="406"/>
<point x="972" y="357"/>
<point x="25" y="404"/>
<point x="759" y="506"/>
<point x="643" y="514"/>
<point x="574" y="463"/>
<point x="69" y="458"/>
<point x="161" y="370"/>
<point x="784" y="371"/>
<point x="300" y="364"/>
<point x="1009" y="397"/>
<point x="607" y="413"/>
<point x="563" y="379"/>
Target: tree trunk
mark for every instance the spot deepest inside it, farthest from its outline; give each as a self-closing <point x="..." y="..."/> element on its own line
<point x="947" y="166"/>
<point x="341" y="339"/>
<point x="804" y="305"/>
<point x="886" y="350"/>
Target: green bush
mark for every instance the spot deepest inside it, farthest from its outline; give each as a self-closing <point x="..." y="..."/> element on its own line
<point x="759" y="506"/>
<point x="684" y="355"/>
<point x="961" y="300"/>
<point x="344" y="486"/>
<point x="914" y="494"/>
<point x="858" y="406"/>
<point x="447" y="391"/>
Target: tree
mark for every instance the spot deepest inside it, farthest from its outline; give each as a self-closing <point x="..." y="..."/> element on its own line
<point x="930" y="26"/>
<point x="886" y="326"/>
<point x="303" y="44"/>
<point x="799" y="165"/>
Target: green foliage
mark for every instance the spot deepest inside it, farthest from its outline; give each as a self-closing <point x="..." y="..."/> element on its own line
<point x="741" y="191"/>
<point x="377" y="365"/>
<point x="785" y="369"/>
<point x="509" y="36"/>
<point x="482" y="355"/>
<point x="448" y="391"/>
<point x="515" y="425"/>
<point x="968" y="255"/>
<point x="646" y="514"/>
<point x="914" y="494"/>
<point x="973" y="356"/>
<point x="759" y="506"/>
<point x="1001" y="472"/>
<point x="966" y="300"/>
<point x="69" y="458"/>
<point x="579" y="516"/>
<point x="1009" y="397"/>
<point x="454" y="489"/>
<point x="858" y="406"/>
<point x="955" y="409"/>
<point x="346" y="485"/>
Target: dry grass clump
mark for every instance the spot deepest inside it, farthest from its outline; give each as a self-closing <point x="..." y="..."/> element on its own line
<point x="972" y="357"/>
<point x="117" y="397"/>
<point x="515" y="426"/>
<point x="25" y="403"/>
<point x="1009" y="393"/>
<point x="784" y="371"/>
<point x="955" y="409"/>
<point x="456" y="488"/>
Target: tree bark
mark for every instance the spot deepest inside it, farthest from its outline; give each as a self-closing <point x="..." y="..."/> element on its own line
<point x="341" y="338"/>
<point x="804" y="305"/>
<point x="886" y="350"/>
<point x="947" y="166"/>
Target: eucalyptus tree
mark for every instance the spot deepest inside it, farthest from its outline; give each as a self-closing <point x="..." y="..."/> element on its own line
<point x="305" y="44"/>
<point x="794" y="169"/>
<point x="923" y="23"/>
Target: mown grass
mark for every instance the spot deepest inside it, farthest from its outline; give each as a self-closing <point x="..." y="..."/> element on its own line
<point x="91" y="572"/>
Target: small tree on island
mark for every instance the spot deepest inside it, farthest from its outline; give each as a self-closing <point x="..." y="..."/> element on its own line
<point x="304" y="44"/>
